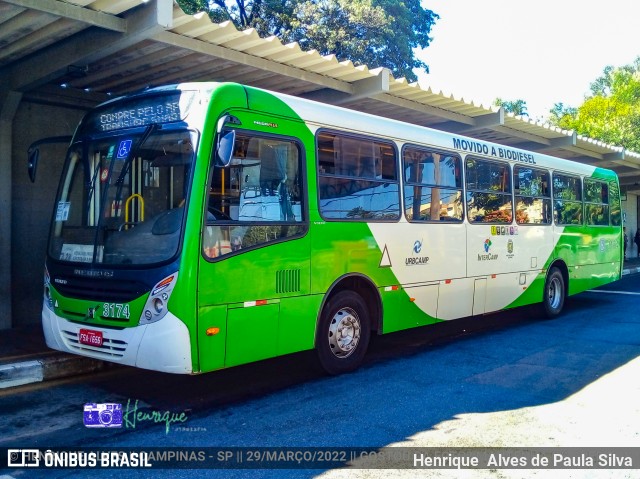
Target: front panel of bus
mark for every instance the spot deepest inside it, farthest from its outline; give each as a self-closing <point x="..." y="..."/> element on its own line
<point x="118" y="229"/>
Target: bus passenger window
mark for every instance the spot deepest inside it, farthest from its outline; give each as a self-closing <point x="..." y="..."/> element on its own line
<point x="533" y="195"/>
<point x="567" y="199"/>
<point x="433" y="185"/>
<point x="357" y="178"/>
<point x="488" y="191"/>
<point x="614" y="204"/>
<point x="596" y="202"/>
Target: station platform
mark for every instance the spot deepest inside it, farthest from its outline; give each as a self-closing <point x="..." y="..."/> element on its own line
<point x="26" y="359"/>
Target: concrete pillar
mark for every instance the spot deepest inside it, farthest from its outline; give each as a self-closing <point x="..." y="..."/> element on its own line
<point x="9" y="101"/>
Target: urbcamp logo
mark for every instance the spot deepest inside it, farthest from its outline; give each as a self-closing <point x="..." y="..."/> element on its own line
<point x="487" y="256"/>
<point x="416" y="259"/>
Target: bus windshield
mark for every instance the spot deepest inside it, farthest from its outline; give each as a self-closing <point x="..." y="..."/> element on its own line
<point x="121" y="198"/>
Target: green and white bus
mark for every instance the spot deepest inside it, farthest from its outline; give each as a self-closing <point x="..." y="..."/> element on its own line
<point x="202" y="226"/>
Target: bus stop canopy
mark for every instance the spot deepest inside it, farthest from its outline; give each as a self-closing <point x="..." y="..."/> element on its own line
<point x="76" y="53"/>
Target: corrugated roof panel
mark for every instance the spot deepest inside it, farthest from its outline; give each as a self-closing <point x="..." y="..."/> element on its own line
<point x="194" y="28"/>
<point x="245" y="42"/>
<point x="219" y="33"/>
<point x="350" y="74"/>
<point x="266" y="48"/>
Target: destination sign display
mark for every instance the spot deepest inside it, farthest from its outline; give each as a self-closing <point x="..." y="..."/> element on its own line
<point x="136" y="112"/>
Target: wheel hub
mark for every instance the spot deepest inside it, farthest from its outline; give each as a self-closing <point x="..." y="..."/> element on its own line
<point x="555" y="293"/>
<point x="344" y="332"/>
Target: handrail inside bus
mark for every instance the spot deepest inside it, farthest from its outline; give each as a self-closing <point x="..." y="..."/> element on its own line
<point x="126" y="207"/>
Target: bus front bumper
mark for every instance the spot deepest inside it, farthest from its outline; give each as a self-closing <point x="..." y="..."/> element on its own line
<point x="161" y="346"/>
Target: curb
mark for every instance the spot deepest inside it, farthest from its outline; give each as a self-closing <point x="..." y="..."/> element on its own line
<point x="46" y="369"/>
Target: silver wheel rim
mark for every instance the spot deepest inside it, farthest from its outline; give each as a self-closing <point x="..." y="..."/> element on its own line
<point x="555" y="293"/>
<point x="344" y="333"/>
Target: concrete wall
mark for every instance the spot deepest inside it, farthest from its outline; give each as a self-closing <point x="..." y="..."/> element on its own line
<point x="32" y="203"/>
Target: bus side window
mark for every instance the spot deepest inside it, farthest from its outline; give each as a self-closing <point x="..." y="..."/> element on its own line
<point x="433" y="185"/>
<point x="567" y="199"/>
<point x="596" y="198"/>
<point x="614" y="204"/>
<point x="488" y="191"/>
<point x="357" y="178"/>
<point x="532" y="194"/>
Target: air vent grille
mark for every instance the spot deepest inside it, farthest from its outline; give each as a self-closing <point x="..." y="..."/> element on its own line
<point x="288" y="281"/>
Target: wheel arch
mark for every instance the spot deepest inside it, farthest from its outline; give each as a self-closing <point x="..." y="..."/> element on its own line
<point x="363" y="286"/>
<point x="564" y="270"/>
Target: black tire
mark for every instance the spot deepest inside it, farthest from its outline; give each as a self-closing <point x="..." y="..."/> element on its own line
<point x="554" y="293"/>
<point x="343" y="333"/>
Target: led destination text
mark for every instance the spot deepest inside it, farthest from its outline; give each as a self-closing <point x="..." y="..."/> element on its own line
<point x="145" y="115"/>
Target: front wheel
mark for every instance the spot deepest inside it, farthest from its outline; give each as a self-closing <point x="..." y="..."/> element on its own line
<point x="554" y="293"/>
<point x="343" y="333"/>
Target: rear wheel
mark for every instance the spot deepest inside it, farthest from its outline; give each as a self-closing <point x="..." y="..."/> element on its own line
<point x="343" y="333"/>
<point x="554" y="293"/>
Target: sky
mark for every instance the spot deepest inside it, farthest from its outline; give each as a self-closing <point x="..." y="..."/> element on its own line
<point x="540" y="51"/>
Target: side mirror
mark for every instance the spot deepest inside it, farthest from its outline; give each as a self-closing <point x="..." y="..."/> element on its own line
<point x="33" y="153"/>
<point x="32" y="163"/>
<point x="224" y="146"/>
<point x="224" y="150"/>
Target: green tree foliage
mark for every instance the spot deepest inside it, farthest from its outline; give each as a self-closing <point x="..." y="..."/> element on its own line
<point x="517" y="107"/>
<point x="377" y="33"/>
<point x="561" y="114"/>
<point x="611" y="113"/>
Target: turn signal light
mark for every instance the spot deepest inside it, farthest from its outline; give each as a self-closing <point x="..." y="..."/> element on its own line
<point x="212" y="331"/>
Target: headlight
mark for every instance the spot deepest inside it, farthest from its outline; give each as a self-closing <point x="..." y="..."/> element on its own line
<point x="156" y="306"/>
<point x="48" y="300"/>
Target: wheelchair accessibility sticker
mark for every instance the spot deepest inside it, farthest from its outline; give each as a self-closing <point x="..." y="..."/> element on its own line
<point x="124" y="149"/>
